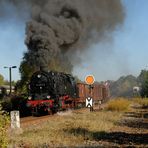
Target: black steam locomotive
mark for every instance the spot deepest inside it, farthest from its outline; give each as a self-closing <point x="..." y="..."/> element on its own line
<point x="51" y="85"/>
<point x="48" y="91"/>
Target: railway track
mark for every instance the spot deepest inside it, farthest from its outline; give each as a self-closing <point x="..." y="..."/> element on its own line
<point x="27" y="121"/>
<point x="30" y="120"/>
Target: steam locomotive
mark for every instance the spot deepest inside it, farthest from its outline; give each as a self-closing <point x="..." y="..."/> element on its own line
<point x="48" y="91"/>
<point x="52" y="91"/>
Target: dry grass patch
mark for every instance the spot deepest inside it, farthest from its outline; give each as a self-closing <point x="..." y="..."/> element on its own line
<point x="69" y="130"/>
<point x="119" y="104"/>
<point x="141" y="101"/>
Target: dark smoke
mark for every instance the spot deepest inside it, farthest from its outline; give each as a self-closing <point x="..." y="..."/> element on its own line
<point x="58" y="28"/>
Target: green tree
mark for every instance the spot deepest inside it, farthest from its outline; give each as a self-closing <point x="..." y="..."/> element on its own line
<point x="6" y="82"/>
<point x="1" y="80"/>
<point x="143" y="79"/>
<point x="123" y="87"/>
<point x="26" y="70"/>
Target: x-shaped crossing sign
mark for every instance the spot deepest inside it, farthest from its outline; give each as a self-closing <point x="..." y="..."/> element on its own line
<point x="89" y="102"/>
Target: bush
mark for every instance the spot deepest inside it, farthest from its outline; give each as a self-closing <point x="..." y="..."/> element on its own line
<point x="6" y="104"/>
<point x="118" y="105"/>
<point x="4" y="120"/>
<point x="16" y="103"/>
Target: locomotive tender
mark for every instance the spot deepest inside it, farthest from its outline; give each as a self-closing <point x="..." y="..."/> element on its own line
<point x="52" y="91"/>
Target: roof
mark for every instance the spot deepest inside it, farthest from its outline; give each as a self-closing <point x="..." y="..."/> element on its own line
<point x="7" y="86"/>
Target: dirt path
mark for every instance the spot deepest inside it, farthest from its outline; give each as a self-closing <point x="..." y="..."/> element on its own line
<point x="130" y="131"/>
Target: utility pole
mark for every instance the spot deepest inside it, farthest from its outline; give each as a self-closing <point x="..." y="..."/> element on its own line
<point x="10" y="80"/>
<point x="10" y="77"/>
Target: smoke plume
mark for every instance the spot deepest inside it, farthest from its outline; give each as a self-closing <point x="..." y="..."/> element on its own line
<point x="59" y="28"/>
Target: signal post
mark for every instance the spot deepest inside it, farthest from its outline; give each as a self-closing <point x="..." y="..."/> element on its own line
<point x="89" y="101"/>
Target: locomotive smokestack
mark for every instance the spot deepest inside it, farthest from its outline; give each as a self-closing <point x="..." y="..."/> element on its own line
<point x="43" y="68"/>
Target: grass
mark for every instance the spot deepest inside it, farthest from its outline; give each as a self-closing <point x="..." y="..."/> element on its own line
<point x="74" y="129"/>
<point x="141" y="101"/>
<point x="4" y="121"/>
<point x="119" y="104"/>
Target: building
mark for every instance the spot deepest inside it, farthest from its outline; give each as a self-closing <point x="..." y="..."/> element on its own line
<point x="5" y="89"/>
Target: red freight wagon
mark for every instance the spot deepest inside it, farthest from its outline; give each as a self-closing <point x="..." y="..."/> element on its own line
<point x="97" y="91"/>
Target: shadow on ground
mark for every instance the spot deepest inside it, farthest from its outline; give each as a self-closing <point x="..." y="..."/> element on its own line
<point x="137" y="123"/>
<point x="138" y="120"/>
<point x="113" y="137"/>
<point x="140" y="114"/>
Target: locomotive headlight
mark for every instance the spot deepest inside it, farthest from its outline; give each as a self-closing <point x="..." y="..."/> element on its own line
<point x="48" y="97"/>
<point x="39" y="76"/>
<point x="29" y="98"/>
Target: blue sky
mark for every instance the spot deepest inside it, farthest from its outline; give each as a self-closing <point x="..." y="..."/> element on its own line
<point x="126" y="54"/>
